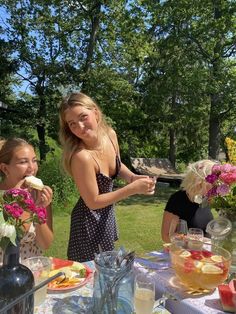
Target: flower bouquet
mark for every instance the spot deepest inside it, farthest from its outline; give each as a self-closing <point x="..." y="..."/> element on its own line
<point x="13" y="203"/>
<point x="222" y="195"/>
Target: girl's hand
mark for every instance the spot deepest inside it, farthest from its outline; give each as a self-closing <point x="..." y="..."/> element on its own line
<point x="44" y="197"/>
<point x="144" y="185"/>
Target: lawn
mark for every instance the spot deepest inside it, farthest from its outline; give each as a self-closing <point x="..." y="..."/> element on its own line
<point x="139" y="222"/>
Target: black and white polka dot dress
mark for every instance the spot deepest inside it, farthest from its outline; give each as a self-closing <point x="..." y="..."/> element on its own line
<point x="92" y="227"/>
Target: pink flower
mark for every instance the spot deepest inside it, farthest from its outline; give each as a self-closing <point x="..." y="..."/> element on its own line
<point x="14" y="202"/>
<point x="13" y="210"/>
<point x="226" y="168"/>
<point x="216" y="169"/>
<point x="222" y="195"/>
<point x="228" y="178"/>
<point x="42" y="214"/>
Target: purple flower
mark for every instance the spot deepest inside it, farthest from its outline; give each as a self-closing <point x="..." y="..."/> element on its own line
<point x="212" y="192"/>
<point x="211" y="178"/>
<point x="223" y="189"/>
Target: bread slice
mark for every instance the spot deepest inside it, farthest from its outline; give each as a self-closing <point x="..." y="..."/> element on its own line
<point x="34" y="182"/>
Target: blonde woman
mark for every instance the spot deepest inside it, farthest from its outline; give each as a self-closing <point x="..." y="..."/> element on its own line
<point x="91" y="156"/>
<point x="189" y="203"/>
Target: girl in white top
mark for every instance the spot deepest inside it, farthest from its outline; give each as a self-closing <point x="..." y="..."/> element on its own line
<point x="17" y="161"/>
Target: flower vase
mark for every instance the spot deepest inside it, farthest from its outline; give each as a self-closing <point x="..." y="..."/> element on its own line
<point x="229" y="243"/>
<point x="15" y="280"/>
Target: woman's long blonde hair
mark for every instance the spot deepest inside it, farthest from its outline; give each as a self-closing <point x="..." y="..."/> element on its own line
<point x="70" y="142"/>
<point x="194" y="180"/>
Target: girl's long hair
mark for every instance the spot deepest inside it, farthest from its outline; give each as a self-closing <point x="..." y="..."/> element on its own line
<point x="70" y="142"/>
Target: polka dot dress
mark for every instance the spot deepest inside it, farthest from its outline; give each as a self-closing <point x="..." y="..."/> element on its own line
<point x="92" y="227"/>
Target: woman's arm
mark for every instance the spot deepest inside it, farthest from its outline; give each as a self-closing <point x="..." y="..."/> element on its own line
<point x="167" y="219"/>
<point x="84" y="173"/>
<point x="128" y="175"/>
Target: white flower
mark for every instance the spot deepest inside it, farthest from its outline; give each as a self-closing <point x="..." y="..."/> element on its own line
<point x="7" y="230"/>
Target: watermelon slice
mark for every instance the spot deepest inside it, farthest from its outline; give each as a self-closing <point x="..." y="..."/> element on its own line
<point x="227" y="297"/>
<point x="59" y="263"/>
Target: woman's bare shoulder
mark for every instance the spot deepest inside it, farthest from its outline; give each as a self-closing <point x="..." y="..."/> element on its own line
<point x="112" y="134"/>
<point x="81" y="155"/>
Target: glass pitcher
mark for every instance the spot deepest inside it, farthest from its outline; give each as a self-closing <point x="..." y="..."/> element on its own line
<point x="219" y="229"/>
<point x="113" y="286"/>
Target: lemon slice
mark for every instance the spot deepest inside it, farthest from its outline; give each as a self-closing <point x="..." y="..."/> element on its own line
<point x="211" y="269"/>
<point x="185" y="254"/>
<point x="217" y="258"/>
<point x="198" y="264"/>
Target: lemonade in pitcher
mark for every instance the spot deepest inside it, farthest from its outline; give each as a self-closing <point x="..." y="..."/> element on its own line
<point x="200" y="269"/>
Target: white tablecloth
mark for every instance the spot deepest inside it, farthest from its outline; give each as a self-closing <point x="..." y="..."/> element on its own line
<point x="76" y="301"/>
<point x="166" y="281"/>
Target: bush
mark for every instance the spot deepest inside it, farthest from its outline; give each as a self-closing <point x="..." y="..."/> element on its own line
<point x="64" y="189"/>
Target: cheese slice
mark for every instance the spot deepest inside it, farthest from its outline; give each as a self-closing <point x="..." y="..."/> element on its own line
<point x="34" y="183"/>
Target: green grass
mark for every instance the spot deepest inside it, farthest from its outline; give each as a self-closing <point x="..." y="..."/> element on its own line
<point x="139" y="222"/>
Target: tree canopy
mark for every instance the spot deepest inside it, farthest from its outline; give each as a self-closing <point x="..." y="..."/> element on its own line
<point x="163" y="72"/>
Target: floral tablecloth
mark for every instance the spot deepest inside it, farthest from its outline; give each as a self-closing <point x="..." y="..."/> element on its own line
<point x="76" y="301"/>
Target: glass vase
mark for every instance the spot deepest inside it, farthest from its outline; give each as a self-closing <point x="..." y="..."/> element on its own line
<point x="113" y="289"/>
<point x="229" y="243"/>
<point x="15" y="280"/>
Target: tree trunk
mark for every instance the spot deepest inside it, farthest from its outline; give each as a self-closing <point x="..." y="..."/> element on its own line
<point x="95" y="20"/>
<point x="41" y="122"/>
<point x="172" y="135"/>
<point x="214" y="130"/>
<point x="172" y="150"/>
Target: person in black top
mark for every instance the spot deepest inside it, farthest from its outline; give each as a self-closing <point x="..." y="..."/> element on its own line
<point x="189" y="202"/>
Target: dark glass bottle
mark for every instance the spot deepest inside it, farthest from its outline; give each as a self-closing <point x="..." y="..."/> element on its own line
<point x="15" y="280"/>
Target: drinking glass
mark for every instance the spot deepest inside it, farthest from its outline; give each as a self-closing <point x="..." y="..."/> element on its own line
<point x="178" y="229"/>
<point x="195" y="238"/>
<point x="195" y="234"/>
<point x="40" y="267"/>
<point x="144" y="294"/>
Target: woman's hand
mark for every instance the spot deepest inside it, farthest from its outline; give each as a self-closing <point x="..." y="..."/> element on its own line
<point x="44" y="197"/>
<point x="144" y="185"/>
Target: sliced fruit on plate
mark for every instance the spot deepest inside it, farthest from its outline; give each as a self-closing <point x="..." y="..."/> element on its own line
<point x="59" y="263"/>
<point x="211" y="269"/>
<point x="65" y="270"/>
<point x="79" y="269"/>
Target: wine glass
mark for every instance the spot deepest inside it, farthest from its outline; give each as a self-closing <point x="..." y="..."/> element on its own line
<point x="195" y="238"/>
<point x="178" y="229"/>
<point x="144" y="294"/>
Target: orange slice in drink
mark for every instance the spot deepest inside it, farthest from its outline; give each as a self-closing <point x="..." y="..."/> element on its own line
<point x="211" y="269"/>
<point x="185" y="254"/>
<point x="217" y="258"/>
